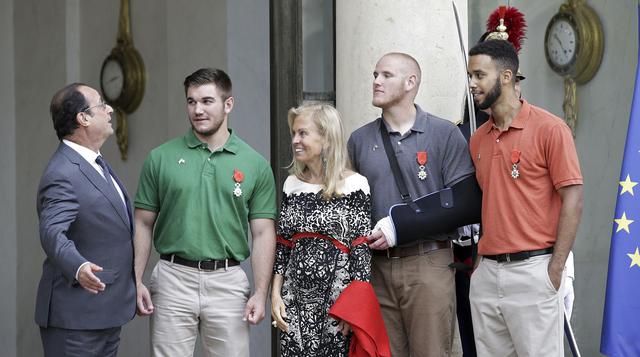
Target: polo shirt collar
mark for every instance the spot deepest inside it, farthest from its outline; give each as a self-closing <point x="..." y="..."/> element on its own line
<point x="419" y="124"/>
<point x="520" y="119"/>
<point x="193" y="142"/>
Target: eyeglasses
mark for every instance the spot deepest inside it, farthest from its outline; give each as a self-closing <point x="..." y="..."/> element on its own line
<point x="102" y="105"/>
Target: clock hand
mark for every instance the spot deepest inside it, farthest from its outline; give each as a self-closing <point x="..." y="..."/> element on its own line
<point x="555" y="36"/>
<point x="112" y="79"/>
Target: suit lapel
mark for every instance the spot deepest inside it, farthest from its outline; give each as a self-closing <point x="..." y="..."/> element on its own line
<point x="100" y="183"/>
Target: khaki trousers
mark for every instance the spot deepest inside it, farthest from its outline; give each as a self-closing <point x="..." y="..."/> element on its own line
<point x="188" y="301"/>
<point x="417" y="298"/>
<point x="515" y="309"/>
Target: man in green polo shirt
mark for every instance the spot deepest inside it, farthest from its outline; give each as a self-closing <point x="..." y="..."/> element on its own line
<point x="197" y="196"/>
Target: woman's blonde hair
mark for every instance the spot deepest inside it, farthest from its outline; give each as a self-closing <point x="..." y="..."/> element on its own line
<point x="334" y="153"/>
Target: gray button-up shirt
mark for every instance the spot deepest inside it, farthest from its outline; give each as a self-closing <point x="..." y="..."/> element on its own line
<point x="448" y="160"/>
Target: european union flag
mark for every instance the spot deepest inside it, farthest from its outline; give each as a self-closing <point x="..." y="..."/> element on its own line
<point x="620" y="327"/>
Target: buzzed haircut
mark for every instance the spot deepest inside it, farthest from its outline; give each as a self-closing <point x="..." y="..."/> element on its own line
<point x="412" y="63"/>
<point x="209" y="76"/>
<point x="501" y="52"/>
<point x="65" y="106"/>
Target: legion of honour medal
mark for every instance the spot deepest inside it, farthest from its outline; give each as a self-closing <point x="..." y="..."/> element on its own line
<point x="421" y="157"/>
<point x="515" y="160"/>
<point x="238" y="177"/>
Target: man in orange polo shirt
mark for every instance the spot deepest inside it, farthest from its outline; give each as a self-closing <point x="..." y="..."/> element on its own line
<point x="527" y="166"/>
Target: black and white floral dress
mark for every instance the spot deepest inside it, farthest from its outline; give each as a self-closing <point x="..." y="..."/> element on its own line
<point x="320" y="250"/>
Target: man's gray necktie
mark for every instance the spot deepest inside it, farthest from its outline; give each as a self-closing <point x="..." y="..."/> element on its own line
<point x="107" y="176"/>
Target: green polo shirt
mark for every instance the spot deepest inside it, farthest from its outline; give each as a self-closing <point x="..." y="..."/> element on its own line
<point x="192" y="191"/>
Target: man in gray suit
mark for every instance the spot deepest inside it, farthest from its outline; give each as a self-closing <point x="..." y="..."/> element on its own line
<point x="87" y="290"/>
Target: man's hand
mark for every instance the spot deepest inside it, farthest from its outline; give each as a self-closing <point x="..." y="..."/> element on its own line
<point x="555" y="276"/>
<point x="377" y="240"/>
<point x="254" y="311"/>
<point x="143" y="300"/>
<point x="88" y="280"/>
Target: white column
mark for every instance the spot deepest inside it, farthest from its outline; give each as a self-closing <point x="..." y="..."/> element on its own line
<point x="367" y="29"/>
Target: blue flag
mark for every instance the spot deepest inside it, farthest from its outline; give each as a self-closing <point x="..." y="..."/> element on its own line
<point x="620" y="326"/>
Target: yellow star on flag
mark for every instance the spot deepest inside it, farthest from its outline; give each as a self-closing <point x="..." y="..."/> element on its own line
<point x="635" y="258"/>
<point x="623" y="223"/>
<point x="627" y="186"/>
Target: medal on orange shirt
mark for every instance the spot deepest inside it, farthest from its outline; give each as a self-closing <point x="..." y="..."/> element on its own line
<point x="515" y="160"/>
<point x="421" y="157"/>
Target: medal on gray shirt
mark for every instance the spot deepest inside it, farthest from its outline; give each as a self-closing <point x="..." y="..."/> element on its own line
<point x="421" y="157"/>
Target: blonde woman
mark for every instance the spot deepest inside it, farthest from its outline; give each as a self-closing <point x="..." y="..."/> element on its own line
<point x="321" y="249"/>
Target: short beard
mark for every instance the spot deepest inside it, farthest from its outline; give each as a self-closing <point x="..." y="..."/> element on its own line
<point x="386" y="104"/>
<point x="492" y="96"/>
<point x="207" y="133"/>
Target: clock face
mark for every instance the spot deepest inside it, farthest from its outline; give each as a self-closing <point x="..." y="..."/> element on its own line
<point x="561" y="43"/>
<point x="112" y="80"/>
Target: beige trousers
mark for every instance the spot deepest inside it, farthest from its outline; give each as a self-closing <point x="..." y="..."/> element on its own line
<point x="417" y="298"/>
<point x="189" y="301"/>
<point x="516" y="310"/>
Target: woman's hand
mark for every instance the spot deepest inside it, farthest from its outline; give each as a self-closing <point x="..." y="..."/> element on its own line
<point x="278" y="311"/>
<point x="344" y="327"/>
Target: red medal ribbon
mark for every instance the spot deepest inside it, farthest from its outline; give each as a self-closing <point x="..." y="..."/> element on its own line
<point x="515" y="156"/>
<point x="238" y="176"/>
<point x="422" y="157"/>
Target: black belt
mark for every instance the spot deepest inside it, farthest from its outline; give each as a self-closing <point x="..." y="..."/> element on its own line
<point x="416" y="249"/>
<point x="200" y="264"/>
<point x="512" y="257"/>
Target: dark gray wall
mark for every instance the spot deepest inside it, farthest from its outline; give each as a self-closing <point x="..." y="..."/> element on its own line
<point x="45" y="45"/>
<point x="8" y="241"/>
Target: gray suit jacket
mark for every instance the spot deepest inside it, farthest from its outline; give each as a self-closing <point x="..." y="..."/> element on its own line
<point x="82" y="219"/>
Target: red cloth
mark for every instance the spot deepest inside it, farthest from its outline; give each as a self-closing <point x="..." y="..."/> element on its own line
<point x="358" y="305"/>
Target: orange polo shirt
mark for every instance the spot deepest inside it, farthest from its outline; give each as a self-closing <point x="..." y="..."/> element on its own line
<point x="522" y="214"/>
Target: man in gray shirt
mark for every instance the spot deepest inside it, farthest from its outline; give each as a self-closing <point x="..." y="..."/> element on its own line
<point x="414" y="284"/>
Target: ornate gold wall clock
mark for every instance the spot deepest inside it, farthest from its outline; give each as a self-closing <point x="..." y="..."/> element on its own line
<point x="574" y="44"/>
<point x="123" y="77"/>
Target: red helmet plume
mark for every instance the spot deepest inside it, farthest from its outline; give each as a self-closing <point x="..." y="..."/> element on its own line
<point x="507" y="21"/>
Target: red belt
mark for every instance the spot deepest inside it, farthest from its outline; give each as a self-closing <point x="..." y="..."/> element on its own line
<point x="296" y="237"/>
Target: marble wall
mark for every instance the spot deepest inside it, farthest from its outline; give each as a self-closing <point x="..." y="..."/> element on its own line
<point x="366" y="30"/>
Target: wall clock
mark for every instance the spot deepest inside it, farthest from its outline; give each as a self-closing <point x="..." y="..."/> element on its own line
<point x="573" y="47"/>
<point x="123" y="77"/>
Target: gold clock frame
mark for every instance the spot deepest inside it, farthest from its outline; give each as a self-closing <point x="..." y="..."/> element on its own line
<point x="588" y="56"/>
<point x="589" y="41"/>
<point x="134" y="77"/>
